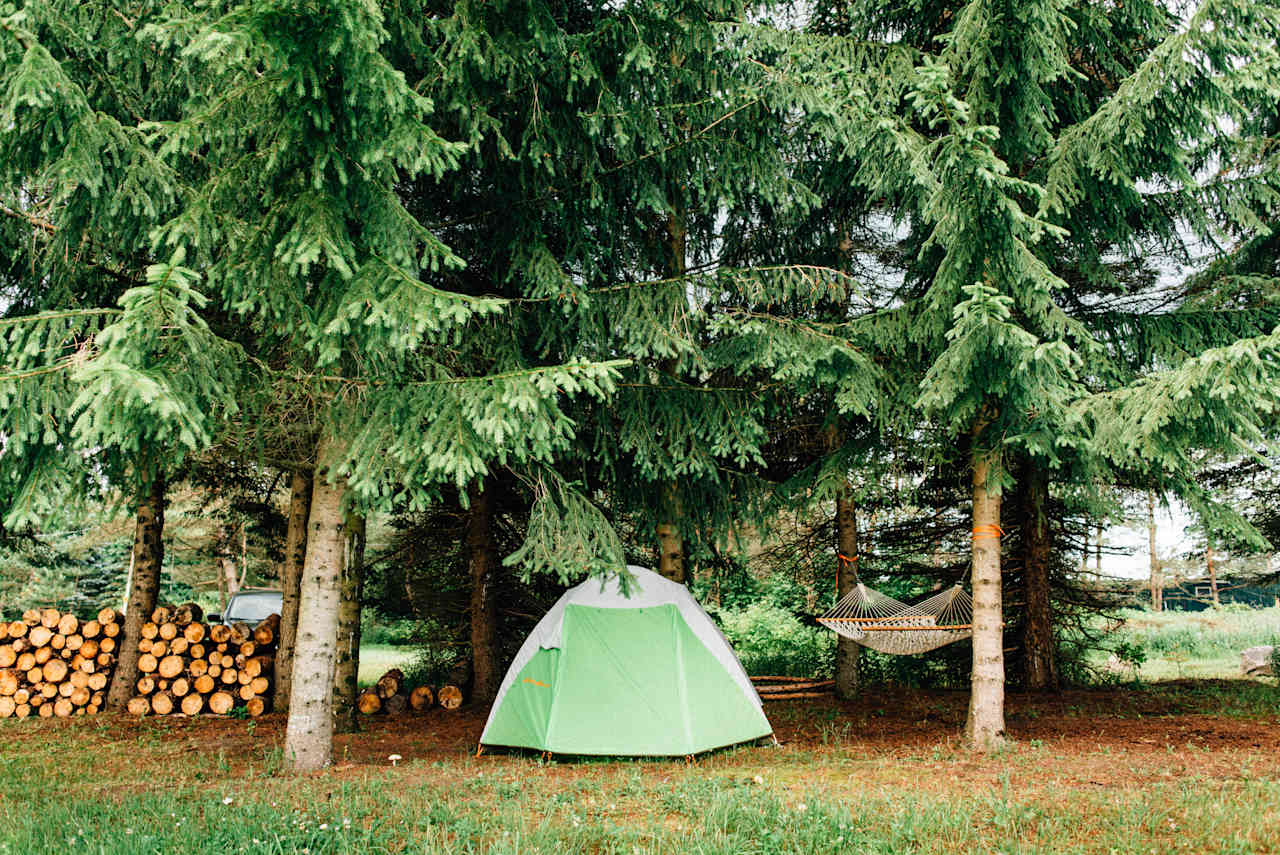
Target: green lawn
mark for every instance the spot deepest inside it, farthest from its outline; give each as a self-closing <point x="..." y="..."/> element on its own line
<point x="1193" y="645"/>
<point x="1155" y="769"/>
<point x="377" y="659"/>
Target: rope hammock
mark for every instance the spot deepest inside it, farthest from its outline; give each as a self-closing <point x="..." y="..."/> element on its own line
<point x="882" y="623"/>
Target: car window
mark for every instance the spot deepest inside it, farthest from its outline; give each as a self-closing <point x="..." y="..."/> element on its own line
<point x="252" y="608"/>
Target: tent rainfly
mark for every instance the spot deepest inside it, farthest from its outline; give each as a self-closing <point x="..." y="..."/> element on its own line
<point x="641" y="674"/>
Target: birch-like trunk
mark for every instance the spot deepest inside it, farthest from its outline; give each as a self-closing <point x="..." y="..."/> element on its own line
<point x="295" y="553"/>
<point x="484" y="608"/>
<point x="228" y="575"/>
<point x="308" y="743"/>
<point x="1213" y="574"/>
<point x="144" y="588"/>
<point x="984" y="729"/>
<point x="347" y="665"/>
<point x="1157" y="572"/>
<point x="1041" y="663"/>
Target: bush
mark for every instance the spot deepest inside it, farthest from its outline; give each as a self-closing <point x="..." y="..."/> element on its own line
<point x="771" y="640"/>
<point x="374" y="629"/>
<point x="431" y="666"/>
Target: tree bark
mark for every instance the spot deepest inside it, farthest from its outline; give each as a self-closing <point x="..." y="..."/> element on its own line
<point x="847" y="650"/>
<point x="1213" y="573"/>
<point x="484" y="608"/>
<point x="984" y="728"/>
<point x="144" y="588"/>
<point x="346" y="685"/>
<point x="671" y="555"/>
<point x="1157" y="575"/>
<point x="1041" y="661"/>
<point x="308" y="741"/>
<point x="228" y="575"/>
<point x="295" y="551"/>
<point x="671" y="562"/>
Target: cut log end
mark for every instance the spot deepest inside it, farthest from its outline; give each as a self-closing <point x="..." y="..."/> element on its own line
<point x="368" y="702"/>
<point x="421" y="698"/>
<point x="450" y="697"/>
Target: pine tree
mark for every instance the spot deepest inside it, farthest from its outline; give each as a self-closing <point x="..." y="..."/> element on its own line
<point x="1018" y="165"/>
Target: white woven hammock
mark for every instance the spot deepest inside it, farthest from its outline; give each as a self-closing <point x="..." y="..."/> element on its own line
<point x="882" y="623"/>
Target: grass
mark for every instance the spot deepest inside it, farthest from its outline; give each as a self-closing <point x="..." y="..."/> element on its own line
<point x="1157" y="767"/>
<point x="1174" y="775"/>
<point x="617" y="809"/>
<point x="377" y="659"/>
<point x="1195" y="645"/>
<point x="692" y="814"/>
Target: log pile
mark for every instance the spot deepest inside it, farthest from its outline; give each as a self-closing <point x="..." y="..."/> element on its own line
<point x="191" y="667"/>
<point x="52" y="664"/>
<point x="773" y="688"/>
<point x="390" y="696"/>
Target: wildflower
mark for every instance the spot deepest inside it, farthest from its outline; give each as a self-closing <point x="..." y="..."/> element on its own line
<point x="758" y="779"/>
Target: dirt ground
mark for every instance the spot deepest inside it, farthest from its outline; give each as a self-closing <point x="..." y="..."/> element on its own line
<point x="1076" y="740"/>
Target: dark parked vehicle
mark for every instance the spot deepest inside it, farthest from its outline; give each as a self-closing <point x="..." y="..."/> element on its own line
<point x="250" y="606"/>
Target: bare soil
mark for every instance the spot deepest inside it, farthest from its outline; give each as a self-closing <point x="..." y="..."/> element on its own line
<point x="1075" y="740"/>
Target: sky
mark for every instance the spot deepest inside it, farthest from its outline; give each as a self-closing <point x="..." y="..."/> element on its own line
<point x="1170" y="542"/>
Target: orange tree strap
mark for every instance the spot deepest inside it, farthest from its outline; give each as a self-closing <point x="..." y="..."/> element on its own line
<point x="982" y="531"/>
<point x="845" y="559"/>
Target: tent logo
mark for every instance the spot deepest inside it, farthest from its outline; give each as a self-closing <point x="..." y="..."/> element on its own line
<point x="537" y="682"/>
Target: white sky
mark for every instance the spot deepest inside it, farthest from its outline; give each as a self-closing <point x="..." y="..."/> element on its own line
<point x="1170" y="542"/>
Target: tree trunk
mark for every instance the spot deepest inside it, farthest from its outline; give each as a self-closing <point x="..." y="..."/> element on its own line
<point x="1213" y="573"/>
<point x="484" y="608"/>
<point x="144" y="588"/>
<point x="308" y="741"/>
<point x="984" y="729"/>
<point x="228" y="576"/>
<point x="1041" y="661"/>
<point x="1157" y="576"/>
<point x="671" y="554"/>
<point x="295" y="550"/>
<point x="1097" y="549"/>
<point x="346" y="676"/>
<point x="847" y="650"/>
<point x="671" y="562"/>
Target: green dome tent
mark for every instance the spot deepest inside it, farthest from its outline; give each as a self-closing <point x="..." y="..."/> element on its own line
<point x="644" y="675"/>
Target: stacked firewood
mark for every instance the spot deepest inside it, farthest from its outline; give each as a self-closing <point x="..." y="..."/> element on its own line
<point x="776" y="688"/>
<point x="390" y="695"/>
<point x="52" y="664"/>
<point x="191" y="667"/>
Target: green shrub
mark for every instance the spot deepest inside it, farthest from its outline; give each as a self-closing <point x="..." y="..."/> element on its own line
<point x="771" y="640"/>
<point x="430" y="666"/>
<point x="375" y="629"/>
